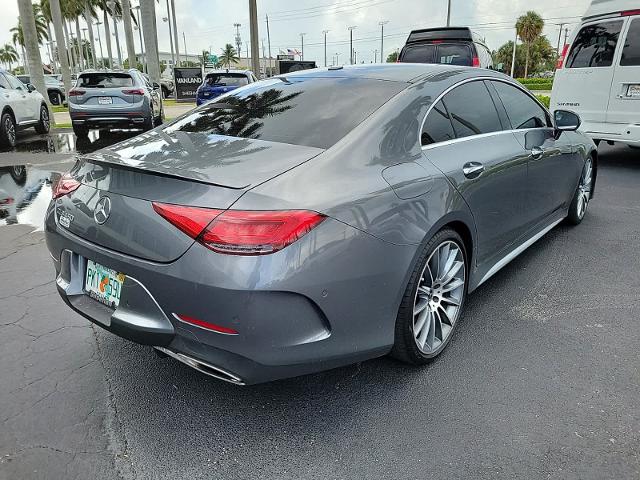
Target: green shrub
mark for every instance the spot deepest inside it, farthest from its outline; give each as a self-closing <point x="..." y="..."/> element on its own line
<point x="540" y="86"/>
<point x="526" y="81"/>
<point x="544" y="100"/>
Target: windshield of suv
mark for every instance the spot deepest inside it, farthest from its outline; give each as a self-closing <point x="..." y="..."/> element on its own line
<point x="226" y="79"/>
<point x="104" y="80"/>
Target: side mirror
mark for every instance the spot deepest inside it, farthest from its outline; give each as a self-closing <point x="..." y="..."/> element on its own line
<point x="156" y="86"/>
<point x="566" y="121"/>
<point x="31" y="88"/>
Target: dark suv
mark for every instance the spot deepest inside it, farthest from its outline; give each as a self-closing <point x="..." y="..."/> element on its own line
<point x="447" y="45"/>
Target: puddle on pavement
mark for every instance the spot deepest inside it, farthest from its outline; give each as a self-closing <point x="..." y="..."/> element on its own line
<point x="25" y="192"/>
<point x="67" y="142"/>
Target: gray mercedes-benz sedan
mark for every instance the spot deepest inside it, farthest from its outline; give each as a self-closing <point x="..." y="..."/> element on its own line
<point x="316" y="219"/>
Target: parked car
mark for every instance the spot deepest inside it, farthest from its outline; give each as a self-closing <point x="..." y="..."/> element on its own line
<point x="167" y="86"/>
<point x="114" y="99"/>
<point x="22" y="106"/>
<point x="302" y="223"/>
<point x="218" y="82"/>
<point x="603" y="58"/>
<point x="55" y="88"/>
<point x="446" y="45"/>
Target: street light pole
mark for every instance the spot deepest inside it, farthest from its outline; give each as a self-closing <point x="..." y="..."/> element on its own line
<point x="97" y="24"/>
<point x="238" y="39"/>
<point x="269" y="45"/>
<point x="351" y="29"/>
<point x="325" y="46"/>
<point x="173" y="57"/>
<point x="513" y="57"/>
<point x="302" y="40"/>
<point x="449" y="13"/>
<point x="382" y="24"/>
<point x="253" y="32"/>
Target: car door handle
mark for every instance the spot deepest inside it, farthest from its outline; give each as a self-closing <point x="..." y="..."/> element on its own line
<point x="472" y="169"/>
<point x="537" y="152"/>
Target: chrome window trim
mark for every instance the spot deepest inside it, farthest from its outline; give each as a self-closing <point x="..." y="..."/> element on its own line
<point x="480" y="135"/>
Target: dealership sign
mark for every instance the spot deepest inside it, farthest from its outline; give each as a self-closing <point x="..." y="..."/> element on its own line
<point x="187" y="81"/>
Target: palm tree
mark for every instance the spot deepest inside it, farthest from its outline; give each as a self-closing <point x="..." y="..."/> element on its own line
<point x="229" y="55"/>
<point x="529" y="27"/>
<point x="127" y="15"/>
<point x="8" y="55"/>
<point x="41" y="28"/>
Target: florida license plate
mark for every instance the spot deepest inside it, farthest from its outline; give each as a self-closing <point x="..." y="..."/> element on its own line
<point x="103" y="284"/>
<point x="105" y="100"/>
<point x="633" y="91"/>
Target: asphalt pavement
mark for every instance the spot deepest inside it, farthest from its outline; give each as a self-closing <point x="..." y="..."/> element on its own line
<point x="541" y="378"/>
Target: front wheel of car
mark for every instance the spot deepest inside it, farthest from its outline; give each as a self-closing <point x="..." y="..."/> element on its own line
<point x="433" y="300"/>
<point x="7" y="130"/>
<point x="581" y="198"/>
<point x="44" y="124"/>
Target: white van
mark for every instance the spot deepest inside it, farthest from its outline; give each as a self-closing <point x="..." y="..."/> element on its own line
<point x="598" y="74"/>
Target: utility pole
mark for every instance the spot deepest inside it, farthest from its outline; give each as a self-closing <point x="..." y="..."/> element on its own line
<point x="238" y="39"/>
<point x="382" y="24"/>
<point x="269" y="45"/>
<point x="355" y="57"/>
<point x="566" y="34"/>
<point x="325" y="46"/>
<point x="559" y="36"/>
<point x="173" y="57"/>
<point x="513" y="56"/>
<point x="253" y="32"/>
<point x="337" y="59"/>
<point x="449" y="13"/>
<point x="351" y="29"/>
<point x="184" y="41"/>
<point x="302" y="46"/>
<point x="97" y="24"/>
<point x="375" y="56"/>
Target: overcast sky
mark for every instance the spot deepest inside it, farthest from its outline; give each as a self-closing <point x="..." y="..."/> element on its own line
<point x="209" y="23"/>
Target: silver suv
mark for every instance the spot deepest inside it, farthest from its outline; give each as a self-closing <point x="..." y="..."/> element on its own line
<point x="108" y="99"/>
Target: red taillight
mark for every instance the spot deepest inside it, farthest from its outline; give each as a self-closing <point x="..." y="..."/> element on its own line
<point x="64" y="186"/>
<point x="206" y="325"/>
<point x="629" y="13"/>
<point x="76" y="93"/>
<point x="241" y="232"/>
<point x="133" y="91"/>
<point x="476" y="62"/>
<point x="562" y="57"/>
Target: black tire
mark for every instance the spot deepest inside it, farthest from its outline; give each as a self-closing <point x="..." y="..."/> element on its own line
<point x="160" y="118"/>
<point x="19" y="174"/>
<point x="405" y="347"/>
<point x="149" y="123"/>
<point x="44" y="124"/>
<point x="81" y="131"/>
<point x="55" y="98"/>
<point x="165" y="92"/>
<point x="8" y="135"/>
<point x="576" y="212"/>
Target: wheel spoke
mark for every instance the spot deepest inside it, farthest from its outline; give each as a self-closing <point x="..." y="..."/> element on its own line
<point x="421" y="304"/>
<point x="443" y="258"/>
<point x="455" y="283"/>
<point x="425" y="330"/>
<point x="453" y="270"/>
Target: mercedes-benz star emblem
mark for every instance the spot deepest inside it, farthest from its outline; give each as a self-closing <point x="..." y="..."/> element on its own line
<point x="102" y="211"/>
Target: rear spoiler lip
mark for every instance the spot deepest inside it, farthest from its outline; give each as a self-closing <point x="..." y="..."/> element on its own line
<point x="103" y="161"/>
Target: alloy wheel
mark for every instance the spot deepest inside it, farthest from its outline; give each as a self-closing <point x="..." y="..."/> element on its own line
<point x="10" y="130"/>
<point x="44" y="116"/>
<point x="584" y="189"/>
<point x="439" y="297"/>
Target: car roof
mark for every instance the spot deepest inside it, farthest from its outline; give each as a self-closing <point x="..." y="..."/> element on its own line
<point x="394" y="72"/>
<point x="224" y="70"/>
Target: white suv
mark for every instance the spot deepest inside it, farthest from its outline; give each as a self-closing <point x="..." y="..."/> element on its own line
<point x="22" y="107"/>
<point x="598" y="74"/>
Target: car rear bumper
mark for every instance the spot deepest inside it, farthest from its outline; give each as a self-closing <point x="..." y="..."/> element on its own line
<point x="295" y="313"/>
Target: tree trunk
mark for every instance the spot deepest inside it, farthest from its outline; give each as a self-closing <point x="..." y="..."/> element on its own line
<point x="24" y="59"/>
<point x="128" y="33"/>
<point x="69" y="49"/>
<point x="115" y="30"/>
<point x="79" y="44"/>
<point x="30" y="34"/>
<point x="61" y="47"/>
<point x="89" y="19"/>
<point x="107" y="34"/>
<point x="148" y="15"/>
<point x="50" y="49"/>
<point x="526" y="63"/>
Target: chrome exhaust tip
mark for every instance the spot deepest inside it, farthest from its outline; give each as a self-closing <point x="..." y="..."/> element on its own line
<point x="203" y="367"/>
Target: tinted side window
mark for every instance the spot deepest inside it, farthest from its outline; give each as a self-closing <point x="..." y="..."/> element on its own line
<point x="595" y="45"/>
<point x="454" y="54"/>
<point x="3" y="82"/>
<point x="15" y="83"/>
<point x="522" y="110"/>
<point x="631" y="51"/>
<point x="419" y="54"/>
<point x="471" y="109"/>
<point x="437" y="126"/>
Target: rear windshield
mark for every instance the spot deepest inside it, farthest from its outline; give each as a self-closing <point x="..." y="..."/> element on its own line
<point x="225" y="79"/>
<point x="104" y="80"/>
<point x="315" y="112"/>
<point x="445" y="53"/>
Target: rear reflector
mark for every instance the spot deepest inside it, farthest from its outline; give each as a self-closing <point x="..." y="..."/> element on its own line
<point x="241" y="232"/>
<point x="76" y="93"/>
<point x="206" y="325"/>
<point x="133" y="91"/>
<point x="65" y="185"/>
<point x="562" y="56"/>
<point x="476" y="62"/>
